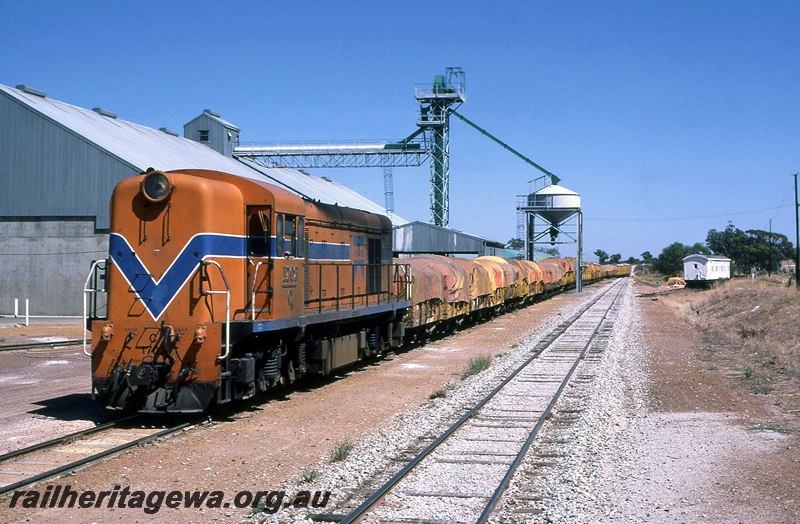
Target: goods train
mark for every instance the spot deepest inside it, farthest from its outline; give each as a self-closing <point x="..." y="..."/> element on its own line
<point x="219" y="287"/>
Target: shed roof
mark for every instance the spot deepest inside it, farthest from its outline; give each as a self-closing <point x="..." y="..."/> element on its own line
<point x="321" y="189"/>
<point x="141" y="147"/>
<point x="213" y="115"/>
<point x="422" y="237"/>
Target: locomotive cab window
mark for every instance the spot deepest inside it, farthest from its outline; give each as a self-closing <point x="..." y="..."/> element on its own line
<point x="300" y="237"/>
<point x="258" y="235"/>
<point x="290" y="235"/>
<point x="279" y="235"/>
<point x="289" y="230"/>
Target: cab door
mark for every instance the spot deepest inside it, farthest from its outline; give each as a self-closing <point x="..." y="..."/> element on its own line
<point x="259" y="263"/>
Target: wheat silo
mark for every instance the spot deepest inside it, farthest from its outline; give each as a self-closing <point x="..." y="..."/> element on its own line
<point x="551" y="215"/>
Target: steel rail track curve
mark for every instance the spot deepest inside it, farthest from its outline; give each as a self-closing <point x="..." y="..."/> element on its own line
<point x="71" y="438"/>
<point x="381" y="493"/>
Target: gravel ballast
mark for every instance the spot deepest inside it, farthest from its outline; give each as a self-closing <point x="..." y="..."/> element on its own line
<point x="665" y="431"/>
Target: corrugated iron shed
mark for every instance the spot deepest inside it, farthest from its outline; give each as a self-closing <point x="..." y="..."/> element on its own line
<point x="81" y="182"/>
<point x="421" y="237"/>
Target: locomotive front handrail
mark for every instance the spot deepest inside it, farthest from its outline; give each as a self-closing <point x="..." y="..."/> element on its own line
<point x="227" y="294"/>
<point x="255" y="280"/>
<point x="101" y="264"/>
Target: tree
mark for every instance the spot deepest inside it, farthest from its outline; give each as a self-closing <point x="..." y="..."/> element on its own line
<point x="632" y="261"/>
<point x="516" y="244"/>
<point x="753" y="249"/>
<point x="602" y="256"/>
<point x="670" y="261"/>
<point x="771" y="248"/>
<point x="646" y="257"/>
<point x="552" y="251"/>
<point x="615" y="259"/>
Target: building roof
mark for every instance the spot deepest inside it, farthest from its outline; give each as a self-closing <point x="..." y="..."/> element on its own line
<point x="213" y="115"/>
<point x="708" y="258"/>
<point x="422" y="237"/>
<point x="321" y="189"/>
<point x="141" y="147"/>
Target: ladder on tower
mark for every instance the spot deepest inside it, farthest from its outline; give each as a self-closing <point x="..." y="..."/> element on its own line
<point x="388" y="190"/>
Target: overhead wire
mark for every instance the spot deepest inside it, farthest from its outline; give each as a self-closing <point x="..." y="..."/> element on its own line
<point x="721" y="215"/>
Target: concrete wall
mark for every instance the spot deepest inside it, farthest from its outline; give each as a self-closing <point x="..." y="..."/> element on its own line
<point x="47" y="260"/>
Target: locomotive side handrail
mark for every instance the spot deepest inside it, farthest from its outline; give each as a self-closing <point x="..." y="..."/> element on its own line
<point x="227" y="294"/>
<point x="403" y="280"/>
<point x="397" y="282"/>
<point x="98" y="264"/>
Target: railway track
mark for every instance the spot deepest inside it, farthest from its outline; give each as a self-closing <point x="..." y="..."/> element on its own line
<point x="484" y="448"/>
<point x="34" y="345"/>
<point x="65" y="454"/>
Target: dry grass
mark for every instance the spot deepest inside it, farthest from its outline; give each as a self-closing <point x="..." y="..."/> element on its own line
<point x="439" y="393"/>
<point x="645" y="275"/>
<point x="476" y="365"/>
<point x="341" y="451"/>
<point x="761" y="316"/>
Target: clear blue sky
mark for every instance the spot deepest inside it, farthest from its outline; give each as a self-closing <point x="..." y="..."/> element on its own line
<point x="669" y="118"/>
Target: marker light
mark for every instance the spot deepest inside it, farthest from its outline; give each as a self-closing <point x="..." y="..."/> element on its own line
<point x="156" y="186"/>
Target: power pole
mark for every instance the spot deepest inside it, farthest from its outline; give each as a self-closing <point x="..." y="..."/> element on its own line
<point x="769" y="262"/>
<point x="797" y="233"/>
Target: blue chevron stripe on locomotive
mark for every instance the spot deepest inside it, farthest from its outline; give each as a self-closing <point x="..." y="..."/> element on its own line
<point x="157" y="295"/>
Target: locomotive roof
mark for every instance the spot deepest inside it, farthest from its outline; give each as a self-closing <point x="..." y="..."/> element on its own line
<point x="141" y="147"/>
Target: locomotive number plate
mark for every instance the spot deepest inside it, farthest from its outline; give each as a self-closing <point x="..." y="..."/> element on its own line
<point x="289" y="276"/>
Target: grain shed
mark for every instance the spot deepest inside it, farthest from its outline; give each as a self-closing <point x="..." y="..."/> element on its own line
<point x="59" y="164"/>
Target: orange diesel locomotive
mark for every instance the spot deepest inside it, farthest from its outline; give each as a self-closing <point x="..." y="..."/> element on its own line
<point x="219" y="287"/>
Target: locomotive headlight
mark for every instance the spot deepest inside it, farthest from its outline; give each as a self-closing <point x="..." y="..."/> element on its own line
<point x="156" y="186"/>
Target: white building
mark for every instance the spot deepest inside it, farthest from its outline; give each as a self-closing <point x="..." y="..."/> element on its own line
<point x="703" y="269"/>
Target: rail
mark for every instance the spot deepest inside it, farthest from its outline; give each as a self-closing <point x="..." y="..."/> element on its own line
<point x="98" y="264"/>
<point x="227" y="294"/>
<point x="455" y="91"/>
<point x="35" y="345"/>
<point x="492" y="504"/>
<point x="381" y="493"/>
<point x="71" y="466"/>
